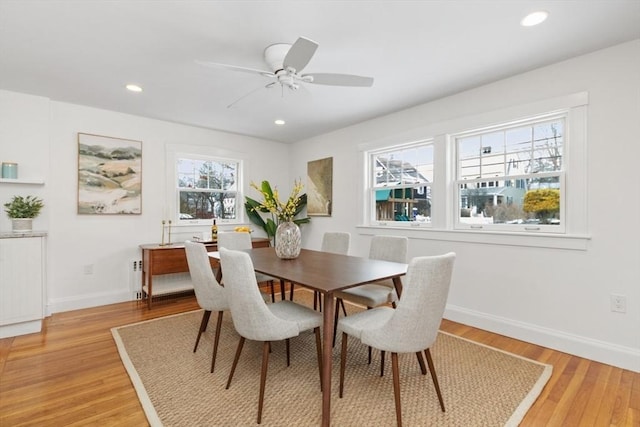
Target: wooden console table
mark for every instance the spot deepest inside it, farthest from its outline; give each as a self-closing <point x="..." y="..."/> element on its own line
<point x="168" y="259"/>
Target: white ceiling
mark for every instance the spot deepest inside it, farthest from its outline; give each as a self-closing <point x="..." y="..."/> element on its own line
<point x="85" y="51"/>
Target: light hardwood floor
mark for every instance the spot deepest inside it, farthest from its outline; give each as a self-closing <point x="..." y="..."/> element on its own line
<point x="71" y="375"/>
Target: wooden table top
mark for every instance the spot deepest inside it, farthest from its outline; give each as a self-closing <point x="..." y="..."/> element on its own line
<point x="323" y="271"/>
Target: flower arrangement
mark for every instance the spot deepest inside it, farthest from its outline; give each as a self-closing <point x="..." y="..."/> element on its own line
<point x="271" y="203"/>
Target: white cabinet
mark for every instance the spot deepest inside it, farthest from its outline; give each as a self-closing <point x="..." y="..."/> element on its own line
<point x="22" y="283"/>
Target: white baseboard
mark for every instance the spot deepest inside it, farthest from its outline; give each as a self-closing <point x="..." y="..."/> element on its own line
<point x="57" y="305"/>
<point x="21" y="328"/>
<point x="588" y="348"/>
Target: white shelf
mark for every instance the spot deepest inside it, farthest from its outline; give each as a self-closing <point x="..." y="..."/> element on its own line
<point x="21" y="181"/>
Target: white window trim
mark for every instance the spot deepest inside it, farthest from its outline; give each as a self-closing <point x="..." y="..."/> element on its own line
<point x="575" y="237"/>
<point x="177" y="151"/>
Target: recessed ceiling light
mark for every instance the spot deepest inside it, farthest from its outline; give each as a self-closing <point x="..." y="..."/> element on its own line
<point x="534" y="18"/>
<point x="279" y="122"/>
<point x="133" y="88"/>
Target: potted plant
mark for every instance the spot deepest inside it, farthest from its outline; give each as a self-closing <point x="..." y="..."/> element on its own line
<point x="22" y="210"/>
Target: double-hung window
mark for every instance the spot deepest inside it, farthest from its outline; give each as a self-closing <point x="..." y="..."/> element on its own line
<point x="400" y="183"/>
<point x="207" y="188"/>
<point x="511" y="177"/>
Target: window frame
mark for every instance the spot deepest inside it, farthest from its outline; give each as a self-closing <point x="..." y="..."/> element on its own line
<point x="576" y="233"/>
<point x="457" y="181"/>
<point x="177" y="152"/>
<point x="372" y="188"/>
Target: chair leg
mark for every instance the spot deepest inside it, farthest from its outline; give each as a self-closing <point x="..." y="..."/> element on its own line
<point x="216" y="340"/>
<point x="288" y="354"/>
<point x="291" y="292"/>
<point x="273" y="293"/>
<point x="336" y="313"/>
<point x="343" y="362"/>
<point x="344" y="310"/>
<point x="282" y="291"/>
<point x="317" y="301"/>
<point x="203" y="327"/>
<point x="396" y="387"/>
<point x="263" y="377"/>
<point x="235" y="361"/>
<point x="432" y="369"/>
<point x="381" y="363"/>
<point x="319" y="351"/>
<point x="423" y="368"/>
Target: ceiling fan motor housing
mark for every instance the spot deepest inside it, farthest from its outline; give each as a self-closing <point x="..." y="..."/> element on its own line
<point x="274" y="56"/>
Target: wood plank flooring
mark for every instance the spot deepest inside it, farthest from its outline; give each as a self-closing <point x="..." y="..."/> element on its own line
<point x="70" y="374"/>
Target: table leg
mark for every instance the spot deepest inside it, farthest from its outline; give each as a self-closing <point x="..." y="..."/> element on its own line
<point x="398" y="285"/>
<point x="327" y="350"/>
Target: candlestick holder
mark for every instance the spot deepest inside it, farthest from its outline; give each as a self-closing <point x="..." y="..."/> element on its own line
<point x="162" y="241"/>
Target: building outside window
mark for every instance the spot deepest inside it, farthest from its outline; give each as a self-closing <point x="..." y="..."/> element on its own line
<point x="511" y="175"/>
<point x="400" y="183"/>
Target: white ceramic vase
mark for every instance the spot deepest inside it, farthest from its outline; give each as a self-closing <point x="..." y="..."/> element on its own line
<point x="288" y="240"/>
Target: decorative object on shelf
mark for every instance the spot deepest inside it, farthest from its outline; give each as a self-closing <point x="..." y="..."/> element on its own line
<point x="288" y="240"/>
<point x="242" y="229"/>
<point x="109" y="175"/>
<point x="164" y="225"/>
<point x="320" y="184"/>
<point x="9" y="170"/>
<point x="22" y="210"/>
<point x="280" y="212"/>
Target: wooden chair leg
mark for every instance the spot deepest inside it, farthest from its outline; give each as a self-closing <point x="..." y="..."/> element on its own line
<point x="336" y="313"/>
<point x="343" y="362"/>
<point x="235" y="361"/>
<point x="282" y="291"/>
<point x="288" y="354"/>
<point x="432" y="369"/>
<point x="423" y="368"/>
<point x="319" y="351"/>
<point x="273" y="293"/>
<point x="317" y="301"/>
<point x="396" y="387"/>
<point x="291" y="292"/>
<point x="203" y="327"/>
<point x="263" y="377"/>
<point x="344" y="310"/>
<point x="381" y="363"/>
<point x="216" y="340"/>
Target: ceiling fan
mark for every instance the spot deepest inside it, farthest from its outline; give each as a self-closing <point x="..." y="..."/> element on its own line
<point x="287" y="62"/>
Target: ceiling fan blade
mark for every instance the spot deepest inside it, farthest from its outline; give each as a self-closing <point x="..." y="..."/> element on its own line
<point x="300" y="54"/>
<point x="332" y="79"/>
<point x="235" y="68"/>
<point x="270" y="85"/>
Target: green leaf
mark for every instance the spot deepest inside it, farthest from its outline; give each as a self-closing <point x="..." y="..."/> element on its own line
<point x="270" y="227"/>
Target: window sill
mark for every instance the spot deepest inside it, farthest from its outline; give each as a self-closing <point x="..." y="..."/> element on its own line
<point x="536" y="240"/>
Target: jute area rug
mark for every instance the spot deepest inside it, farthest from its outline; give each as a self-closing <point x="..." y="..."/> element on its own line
<point x="481" y="386"/>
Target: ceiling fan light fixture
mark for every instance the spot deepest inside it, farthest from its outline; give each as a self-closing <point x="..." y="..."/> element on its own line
<point x="133" y="88"/>
<point x="279" y="122"/>
<point x="534" y="18"/>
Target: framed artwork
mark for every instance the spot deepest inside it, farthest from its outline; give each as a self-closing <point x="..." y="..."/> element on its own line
<point x="109" y="175"/>
<point x="320" y="187"/>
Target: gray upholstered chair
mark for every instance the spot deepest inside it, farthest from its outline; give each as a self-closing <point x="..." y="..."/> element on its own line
<point x="412" y="327"/>
<point x="210" y="295"/>
<point x="335" y="242"/>
<point x="238" y="241"/>
<point x="387" y="248"/>
<point x="253" y="319"/>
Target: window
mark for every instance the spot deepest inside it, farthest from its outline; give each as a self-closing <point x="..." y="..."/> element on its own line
<point x="511" y="176"/>
<point x="515" y="176"/>
<point x="207" y="188"/>
<point x="400" y="183"/>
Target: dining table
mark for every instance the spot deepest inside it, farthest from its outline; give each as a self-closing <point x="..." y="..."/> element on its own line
<point x="326" y="273"/>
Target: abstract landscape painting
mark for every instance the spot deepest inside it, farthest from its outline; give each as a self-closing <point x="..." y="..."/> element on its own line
<point x="319" y="187"/>
<point x="109" y="175"/>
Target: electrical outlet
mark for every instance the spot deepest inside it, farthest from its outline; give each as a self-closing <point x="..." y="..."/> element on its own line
<point x="618" y="303"/>
<point x="88" y="269"/>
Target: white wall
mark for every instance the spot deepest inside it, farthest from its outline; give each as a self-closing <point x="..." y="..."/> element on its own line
<point x="34" y="127"/>
<point x="555" y="297"/>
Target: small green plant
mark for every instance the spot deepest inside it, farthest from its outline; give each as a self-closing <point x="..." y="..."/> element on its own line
<point x="23" y="207"/>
